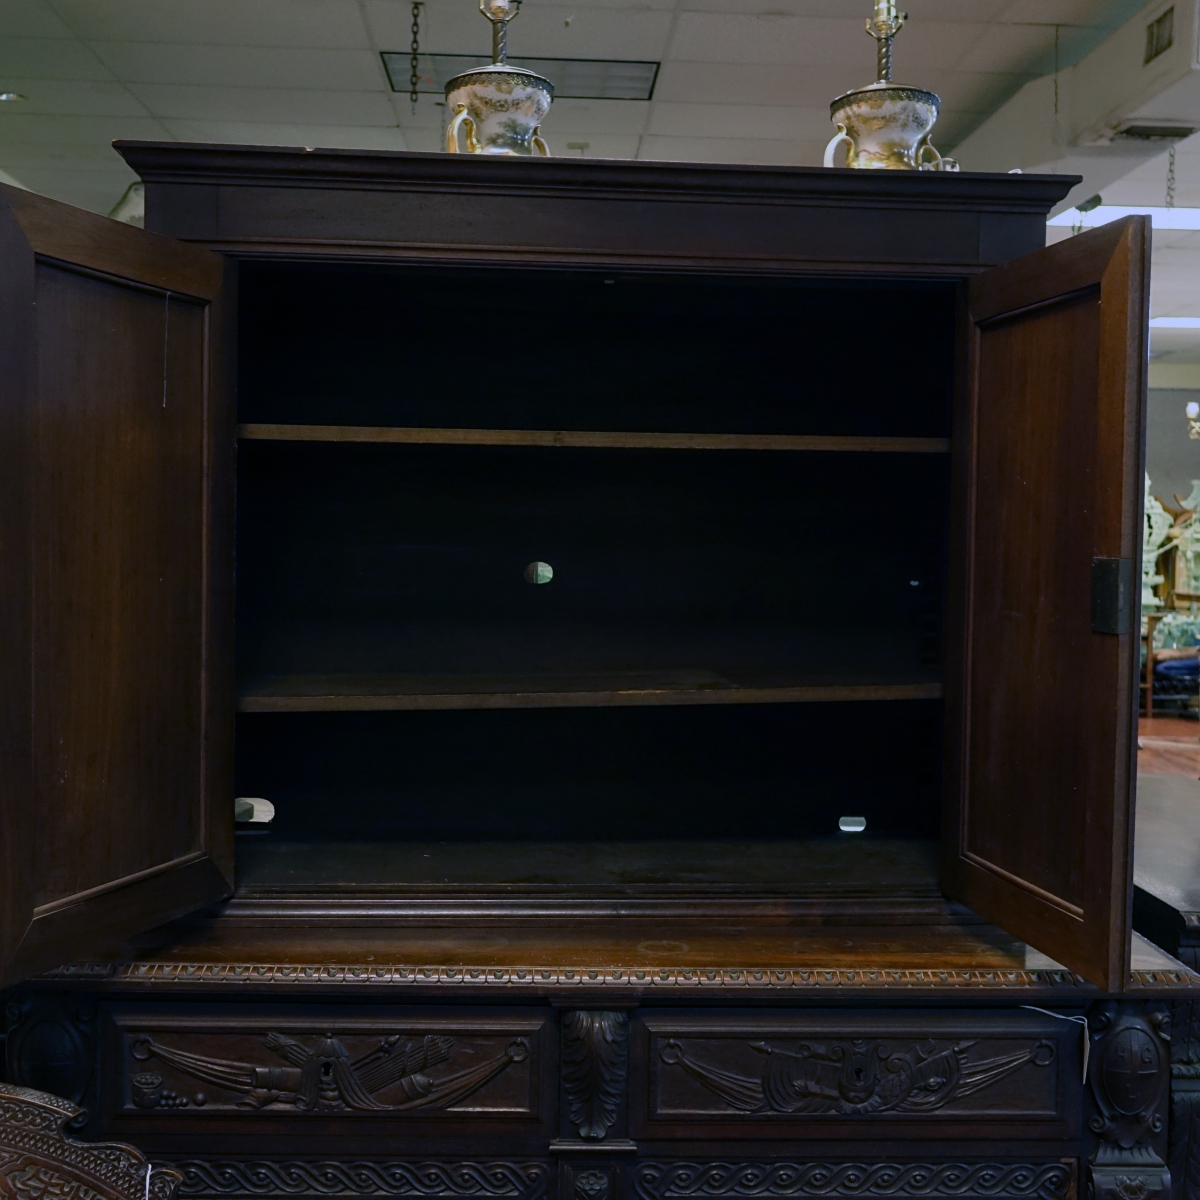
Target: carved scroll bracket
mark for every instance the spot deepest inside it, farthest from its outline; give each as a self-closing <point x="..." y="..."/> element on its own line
<point x="1129" y="1077"/>
<point x="595" y="1065"/>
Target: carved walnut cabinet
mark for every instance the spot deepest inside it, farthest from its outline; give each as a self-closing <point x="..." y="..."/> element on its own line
<point x="682" y="621"/>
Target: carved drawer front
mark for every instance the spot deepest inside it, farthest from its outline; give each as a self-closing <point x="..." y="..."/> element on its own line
<point x="843" y="1074"/>
<point x="232" y="1066"/>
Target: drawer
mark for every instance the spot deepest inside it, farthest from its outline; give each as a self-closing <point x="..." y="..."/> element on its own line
<point x="296" y="1070"/>
<point x="845" y="1074"/>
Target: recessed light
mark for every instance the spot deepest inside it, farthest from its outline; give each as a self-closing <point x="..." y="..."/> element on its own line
<point x="1175" y="322"/>
<point x="1161" y="218"/>
<point x="12" y="96"/>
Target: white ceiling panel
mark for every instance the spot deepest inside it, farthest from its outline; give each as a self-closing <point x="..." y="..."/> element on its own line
<point x="286" y="105"/>
<point x="336" y="24"/>
<point x="755" y="122"/>
<point x="30" y="19"/>
<point x="243" y="66"/>
<point x="49" y="58"/>
<point x="249" y="133"/>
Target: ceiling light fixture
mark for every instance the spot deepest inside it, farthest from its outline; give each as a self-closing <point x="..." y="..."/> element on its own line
<point x="1175" y="322"/>
<point x="10" y="96"/>
<point x="1161" y="218"/>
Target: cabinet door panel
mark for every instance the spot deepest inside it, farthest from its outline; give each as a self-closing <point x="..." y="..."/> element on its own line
<point x="118" y="814"/>
<point x="1039" y="836"/>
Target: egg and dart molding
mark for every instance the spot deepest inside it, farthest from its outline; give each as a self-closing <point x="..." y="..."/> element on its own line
<point x="499" y="109"/>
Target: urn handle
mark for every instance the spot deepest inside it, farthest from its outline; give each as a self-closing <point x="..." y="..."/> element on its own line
<point x="460" y="120"/>
<point x="539" y="143"/>
<point x="935" y="160"/>
<point x="838" y="138"/>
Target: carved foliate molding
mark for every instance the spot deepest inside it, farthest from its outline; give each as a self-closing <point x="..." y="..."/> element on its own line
<point x="855" y="1077"/>
<point x="595" y="1064"/>
<point x="38" y="1161"/>
<point x="766" y="1180"/>
<point x="318" y="1074"/>
<point x="469" y="979"/>
<point x="1129" y="1078"/>
<point x="503" y="1180"/>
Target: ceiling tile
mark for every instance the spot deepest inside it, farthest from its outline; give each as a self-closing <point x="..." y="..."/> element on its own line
<point x="277" y="134"/>
<point x="64" y="97"/>
<point x="619" y="117"/>
<point x="67" y="130"/>
<point x="30" y="18"/>
<point x="743" y="121"/>
<point x="286" y="105"/>
<point x="749" y="83"/>
<point x="724" y="150"/>
<point x="49" y="58"/>
<point x="243" y="66"/>
<point x="321" y="23"/>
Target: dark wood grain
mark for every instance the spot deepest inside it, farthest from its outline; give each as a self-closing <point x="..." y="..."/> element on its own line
<point x="589" y="439"/>
<point x="1046" y="702"/>
<point x="378" y="205"/>
<point x="357" y="693"/>
<point x="115" y="586"/>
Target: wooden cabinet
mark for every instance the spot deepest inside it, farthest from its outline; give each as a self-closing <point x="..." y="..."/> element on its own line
<point x="652" y="588"/>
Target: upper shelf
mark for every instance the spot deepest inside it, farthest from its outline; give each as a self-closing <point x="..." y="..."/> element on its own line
<point x="589" y="439"/>
<point x="376" y="693"/>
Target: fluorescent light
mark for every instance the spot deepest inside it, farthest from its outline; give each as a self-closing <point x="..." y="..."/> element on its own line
<point x="1161" y="218"/>
<point x="12" y="96"/>
<point x="1175" y="322"/>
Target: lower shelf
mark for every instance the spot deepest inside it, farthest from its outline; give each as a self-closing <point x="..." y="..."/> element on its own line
<point x="376" y="693"/>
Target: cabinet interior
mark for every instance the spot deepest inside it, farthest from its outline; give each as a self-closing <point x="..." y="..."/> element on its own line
<point x="741" y="487"/>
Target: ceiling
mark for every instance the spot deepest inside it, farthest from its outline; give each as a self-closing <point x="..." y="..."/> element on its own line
<point x="741" y="80"/>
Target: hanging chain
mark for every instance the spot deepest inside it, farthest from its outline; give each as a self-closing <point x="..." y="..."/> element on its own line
<point x="1171" y="177"/>
<point x="414" y="75"/>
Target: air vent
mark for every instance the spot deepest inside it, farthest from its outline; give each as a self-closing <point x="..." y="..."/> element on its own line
<point x="1160" y="35"/>
<point x="573" y="78"/>
<point x="1155" y="133"/>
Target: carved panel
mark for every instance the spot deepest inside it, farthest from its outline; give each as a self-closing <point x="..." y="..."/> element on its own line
<point x="1129" y="1077"/>
<point x="594" y="1069"/>
<point x="796" y="1075"/>
<point x="1002" y="1181"/>
<point x="301" y="1177"/>
<point x="39" y="1162"/>
<point x="342" y="1064"/>
<point x="1184" y="1155"/>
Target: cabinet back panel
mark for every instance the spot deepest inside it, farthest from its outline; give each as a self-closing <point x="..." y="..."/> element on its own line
<point x="396" y="559"/>
<point x="774" y="772"/>
<point x="366" y="345"/>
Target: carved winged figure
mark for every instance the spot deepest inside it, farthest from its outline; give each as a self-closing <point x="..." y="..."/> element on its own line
<point x="323" y="1076"/>
<point x="855" y="1077"/>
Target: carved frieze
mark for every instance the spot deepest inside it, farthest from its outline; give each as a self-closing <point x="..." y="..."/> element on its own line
<point x="775" y="1075"/>
<point x="802" y="1180"/>
<point x="1128" y="1078"/>
<point x="854" y="1077"/>
<point x="354" y="1067"/>
<point x="502" y="1180"/>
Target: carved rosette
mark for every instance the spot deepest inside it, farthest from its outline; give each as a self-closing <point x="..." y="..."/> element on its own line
<point x="38" y="1161"/>
<point x="1129" y="1077"/>
<point x="595" y="1058"/>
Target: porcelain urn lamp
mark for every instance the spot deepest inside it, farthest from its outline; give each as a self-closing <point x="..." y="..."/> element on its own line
<point x="498" y="109"/>
<point x="886" y="125"/>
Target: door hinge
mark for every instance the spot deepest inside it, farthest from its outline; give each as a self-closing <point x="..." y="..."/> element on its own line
<point x="1112" y="595"/>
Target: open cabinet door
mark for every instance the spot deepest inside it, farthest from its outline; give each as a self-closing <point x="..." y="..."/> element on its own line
<point x="116" y="718"/>
<point x="1039" y="836"/>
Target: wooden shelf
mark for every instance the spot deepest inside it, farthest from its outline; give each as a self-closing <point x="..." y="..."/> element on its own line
<point x="379" y="693"/>
<point x="588" y="439"/>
